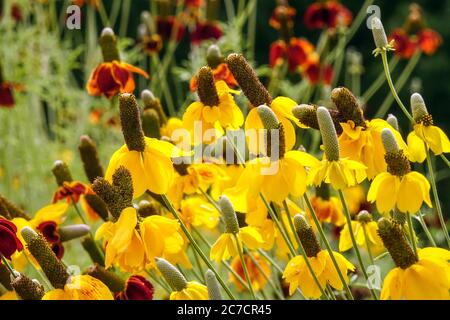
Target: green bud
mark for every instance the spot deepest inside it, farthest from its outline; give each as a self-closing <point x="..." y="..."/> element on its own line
<point x="328" y="132"/>
<point x="389" y="142"/>
<point x="229" y="215"/>
<point x="174" y="277"/>
<point x="212" y="284"/>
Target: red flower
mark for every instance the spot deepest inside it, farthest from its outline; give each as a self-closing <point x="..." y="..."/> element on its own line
<point x="221" y="72"/>
<point x="296" y="53"/>
<point x="429" y="41"/>
<point x="205" y="31"/>
<point x="6" y="95"/>
<point x="403" y="45"/>
<point x="71" y="191"/>
<point x="282" y="12"/>
<point x="50" y="233"/>
<point x="136" y="288"/>
<point x="317" y="73"/>
<point x="9" y="243"/>
<point x="152" y="43"/>
<point x="327" y="15"/>
<point x="165" y="25"/>
<point x="111" y="78"/>
<point x="193" y="4"/>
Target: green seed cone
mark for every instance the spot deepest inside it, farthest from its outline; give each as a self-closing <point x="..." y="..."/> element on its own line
<point x="328" y="132"/>
<point x="27" y="289"/>
<point x="73" y="231"/>
<point x="206" y="87"/>
<point x="174" y="277"/>
<point x="98" y="205"/>
<point x="268" y="117"/>
<point x="213" y="286"/>
<point x="108" y="44"/>
<point x="379" y="35"/>
<point x="61" y="172"/>
<point x="418" y="107"/>
<point x="389" y="142"/>
<point x="89" y="156"/>
<point x="392" y="120"/>
<point x="130" y="120"/>
<point x="150" y="124"/>
<point x="151" y="102"/>
<point x="42" y="252"/>
<point x="307" y="237"/>
<point x="110" y="279"/>
<point x="229" y="215"/>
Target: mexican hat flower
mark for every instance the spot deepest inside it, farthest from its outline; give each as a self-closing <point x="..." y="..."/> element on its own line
<point x="328" y="208"/>
<point x="136" y="288"/>
<point x="298" y="275"/>
<point x="398" y="187"/>
<point x="205" y="30"/>
<point x="365" y="231"/>
<point x="327" y="15"/>
<point x="216" y="107"/>
<point x="258" y="270"/>
<point x="227" y="244"/>
<point x="282" y="14"/>
<point x="295" y="52"/>
<point x="339" y="172"/>
<point x="9" y="242"/>
<point x="420" y="277"/>
<point x="182" y="289"/>
<point x="425" y="134"/>
<point x="81" y="287"/>
<point x="112" y="76"/>
<point x="147" y="159"/>
<point x="196" y="211"/>
<point x="258" y="95"/>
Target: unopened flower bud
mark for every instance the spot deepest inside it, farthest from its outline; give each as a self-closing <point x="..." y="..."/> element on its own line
<point x="151" y="102"/>
<point x="393" y="122"/>
<point x="174" y="277"/>
<point x="73" y="231"/>
<point x="364" y="216"/>
<point x="214" y="56"/>
<point x="229" y="215"/>
<point x="150" y="124"/>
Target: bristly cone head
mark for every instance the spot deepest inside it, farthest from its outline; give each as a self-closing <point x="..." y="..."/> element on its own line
<point x="329" y="135"/>
<point x="307" y="237"/>
<point x="174" y="277"/>
<point x="108" y="43"/>
<point x="130" y="120"/>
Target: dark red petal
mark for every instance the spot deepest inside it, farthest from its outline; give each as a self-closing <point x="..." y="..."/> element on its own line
<point x="106" y="83"/>
<point x="9" y="242"/>
<point x="138" y="288"/>
<point x="48" y="230"/>
<point x="6" y="95"/>
<point x="277" y="52"/>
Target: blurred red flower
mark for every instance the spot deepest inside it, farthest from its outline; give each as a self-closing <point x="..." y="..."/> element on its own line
<point x="166" y="25"/>
<point x="205" y="31"/>
<point x="296" y="52"/>
<point x="327" y="15"/>
<point x="221" y="72"/>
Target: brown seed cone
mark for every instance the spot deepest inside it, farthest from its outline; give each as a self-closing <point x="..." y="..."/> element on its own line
<point x="108" y="44"/>
<point x="92" y="249"/>
<point x="348" y="106"/>
<point x="249" y="82"/>
<point x="395" y="242"/>
<point x="99" y="206"/>
<point x="89" y="157"/>
<point x="121" y="179"/>
<point x="130" y="120"/>
<point x="307" y="115"/>
<point x="151" y="124"/>
<point x="206" y="88"/>
<point x="307" y="237"/>
<point x="147" y="208"/>
<point x="43" y="253"/>
<point x="110" y="279"/>
<point x="5" y="277"/>
<point x="61" y="172"/>
<point x="27" y="289"/>
<point x="13" y="210"/>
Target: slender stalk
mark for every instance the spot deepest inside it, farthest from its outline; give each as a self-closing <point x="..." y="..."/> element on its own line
<point x="425" y="228"/>
<point x="252" y="33"/>
<point x="158" y="281"/>
<point x="355" y="245"/>
<point x="379" y="81"/>
<point x="436" y="196"/>
<point x="412" y="234"/>
<point x="196" y="246"/>
<point x="366" y="238"/>
<point x="404" y="76"/>
<point x="381" y="256"/>
<point x="244" y="266"/>
<point x="8" y="266"/>
<point x="444" y="158"/>
<point x="392" y="87"/>
<point x="327" y="245"/>
<point x="229" y="8"/>
<point x="126" y="5"/>
<point x="103" y="15"/>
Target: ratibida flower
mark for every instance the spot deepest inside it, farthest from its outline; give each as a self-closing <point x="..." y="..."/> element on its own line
<point x="399" y="186"/>
<point x="425" y="134"/>
<point x="339" y="172"/>
<point x="81" y="287"/>
<point x="360" y="139"/>
<point x="196" y="211"/>
<point x="298" y="275"/>
<point x="420" y="277"/>
<point x="229" y="242"/>
<point x="9" y="243"/>
<point x="147" y="159"/>
<point x="182" y="289"/>
<point x="216" y="106"/>
<point x="327" y="208"/>
<point x="295" y="52"/>
<point x="365" y="232"/>
<point x="327" y="15"/>
<point x="136" y="288"/>
<point x="112" y="76"/>
<point x="258" y="269"/>
<point x="258" y="95"/>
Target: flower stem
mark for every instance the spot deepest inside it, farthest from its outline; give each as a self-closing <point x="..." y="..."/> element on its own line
<point x="103" y="16"/>
<point x="392" y="87"/>
<point x="244" y="266"/>
<point x="355" y="245"/>
<point x="366" y="238"/>
<point x="196" y="246"/>
<point x="412" y="234"/>
<point x="303" y="252"/>
<point x="444" y="158"/>
<point x="425" y="228"/>
<point x="436" y="196"/>
<point x="327" y="245"/>
<point x="8" y="266"/>
<point x="379" y="81"/>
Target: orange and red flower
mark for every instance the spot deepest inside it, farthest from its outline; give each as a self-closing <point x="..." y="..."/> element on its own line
<point x="49" y="230"/>
<point x="9" y="242"/>
<point x="318" y="73"/>
<point x="151" y="43"/>
<point x="221" y="72"/>
<point x="136" y="288"/>
<point x="406" y="45"/>
<point x="205" y="31"/>
<point x="280" y="13"/>
<point x="327" y="15"/>
<point x="296" y="53"/>
<point x="70" y="191"/>
<point x="111" y="78"/>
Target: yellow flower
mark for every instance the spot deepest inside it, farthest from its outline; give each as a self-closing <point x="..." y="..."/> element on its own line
<point x="364" y="144"/>
<point x="298" y="276"/>
<point x="257" y="278"/>
<point x="356" y="198"/>
<point x="197" y="211"/>
<point x="160" y="237"/>
<point x="124" y="245"/>
<point x="433" y="137"/>
<point x="83" y="287"/>
<point x="426" y="279"/>
<point x="168" y="130"/>
<point x="407" y="192"/>
<point x="151" y="169"/>
<point x="194" y="291"/>
<point x="282" y="107"/>
<point x="226" y="246"/>
<point x="328" y="210"/>
<point x="374" y="241"/>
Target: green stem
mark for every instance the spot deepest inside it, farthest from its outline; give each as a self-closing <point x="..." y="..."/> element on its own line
<point x="404" y="76"/>
<point x="436" y="196"/>
<point x="196" y="246"/>
<point x="444" y="158"/>
<point x="425" y="228"/>
<point x="366" y="238"/>
<point x="327" y="245"/>
<point x="8" y="266"/>
<point x="392" y="87"/>
<point x="251" y="33"/>
<point x="379" y="81"/>
<point x="244" y="266"/>
<point x="355" y="245"/>
<point x="412" y="234"/>
<point x="103" y="15"/>
<point x="158" y="281"/>
<point x="126" y="5"/>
